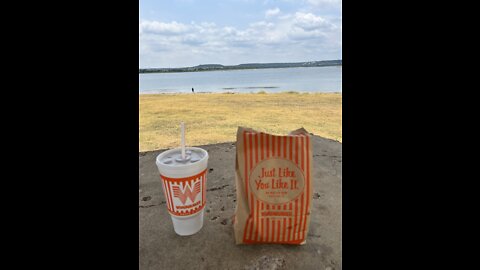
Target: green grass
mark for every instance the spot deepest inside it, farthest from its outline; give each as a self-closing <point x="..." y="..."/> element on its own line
<point x="214" y="118"/>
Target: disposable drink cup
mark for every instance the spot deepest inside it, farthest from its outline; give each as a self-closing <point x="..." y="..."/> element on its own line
<point x="184" y="182"/>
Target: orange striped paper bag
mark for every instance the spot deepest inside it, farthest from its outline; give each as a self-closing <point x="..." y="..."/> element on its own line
<point x="274" y="187"/>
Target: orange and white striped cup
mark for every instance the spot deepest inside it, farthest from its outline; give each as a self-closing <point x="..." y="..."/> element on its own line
<point x="184" y="184"/>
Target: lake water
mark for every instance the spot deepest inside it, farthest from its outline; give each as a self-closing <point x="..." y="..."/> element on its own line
<point x="303" y="79"/>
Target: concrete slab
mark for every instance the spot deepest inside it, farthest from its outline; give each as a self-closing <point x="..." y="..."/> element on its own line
<point x="214" y="246"/>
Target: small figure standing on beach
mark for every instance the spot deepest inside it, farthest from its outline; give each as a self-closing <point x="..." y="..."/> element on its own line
<point x="193" y="91"/>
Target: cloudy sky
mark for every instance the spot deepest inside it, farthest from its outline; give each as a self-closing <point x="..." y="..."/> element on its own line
<point x="179" y="33"/>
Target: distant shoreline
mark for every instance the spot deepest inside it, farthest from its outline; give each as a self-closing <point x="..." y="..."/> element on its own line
<point x="216" y="67"/>
<point x="243" y="93"/>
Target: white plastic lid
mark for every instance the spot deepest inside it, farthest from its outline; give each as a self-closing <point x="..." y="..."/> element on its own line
<point x="171" y="164"/>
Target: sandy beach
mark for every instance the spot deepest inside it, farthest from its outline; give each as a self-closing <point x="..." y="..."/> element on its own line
<point x="214" y="117"/>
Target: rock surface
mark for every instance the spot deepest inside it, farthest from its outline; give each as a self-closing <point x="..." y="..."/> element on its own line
<point x="214" y="246"/>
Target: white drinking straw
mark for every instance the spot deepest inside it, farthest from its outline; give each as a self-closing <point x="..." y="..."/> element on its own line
<point x="182" y="128"/>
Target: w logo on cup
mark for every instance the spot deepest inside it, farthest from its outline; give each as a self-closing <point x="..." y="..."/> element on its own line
<point x="179" y="190"/>
<point x="188" y="192"/>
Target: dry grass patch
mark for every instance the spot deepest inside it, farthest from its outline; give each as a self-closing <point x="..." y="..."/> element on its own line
<point x="214" y="118"/>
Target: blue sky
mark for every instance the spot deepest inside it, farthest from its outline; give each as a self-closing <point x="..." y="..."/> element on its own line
<point x="180" y="33"/>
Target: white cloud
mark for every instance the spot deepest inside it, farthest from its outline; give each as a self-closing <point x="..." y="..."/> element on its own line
<point x="300" y="36"/>
<point x="207" y="24"/>
<point x="325" y="2"/>
<point x="261" y="24"/>
<point x="163" y="28"/>
<point x="272" y="12"/>
<point x="309" y="21"/>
